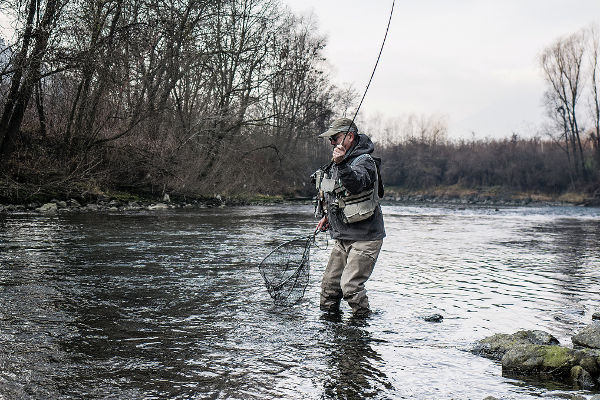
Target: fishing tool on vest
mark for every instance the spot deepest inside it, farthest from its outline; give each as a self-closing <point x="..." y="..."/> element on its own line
<point x="286" y="269"/>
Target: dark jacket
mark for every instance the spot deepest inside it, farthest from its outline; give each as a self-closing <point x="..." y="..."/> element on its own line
<point x="355" y="178"/>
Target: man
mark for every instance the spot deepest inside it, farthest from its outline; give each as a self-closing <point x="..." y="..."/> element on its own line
<point x="349" y="188"/>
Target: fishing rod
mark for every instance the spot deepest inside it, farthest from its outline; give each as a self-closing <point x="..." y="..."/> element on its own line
<point x="372" y="73"/>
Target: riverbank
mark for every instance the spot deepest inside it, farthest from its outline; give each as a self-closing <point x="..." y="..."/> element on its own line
<point x="494" y="196"/>
<point x="123" y="201"/>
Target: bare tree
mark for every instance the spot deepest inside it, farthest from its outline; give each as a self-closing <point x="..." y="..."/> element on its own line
<point x="26" y="68"/>
<point x="594" y="53"/>
<point x="562" y="64"/>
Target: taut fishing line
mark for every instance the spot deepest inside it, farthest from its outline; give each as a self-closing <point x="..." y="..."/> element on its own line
<point x="286" y="269"/>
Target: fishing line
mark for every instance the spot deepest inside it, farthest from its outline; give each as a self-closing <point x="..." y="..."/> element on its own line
<point x="374" y="69"/>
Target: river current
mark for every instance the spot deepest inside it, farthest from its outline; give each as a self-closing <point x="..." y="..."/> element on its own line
<point x="170" y="304"/>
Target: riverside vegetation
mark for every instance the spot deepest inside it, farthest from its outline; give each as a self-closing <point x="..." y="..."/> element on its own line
<point x="197" y="97"/>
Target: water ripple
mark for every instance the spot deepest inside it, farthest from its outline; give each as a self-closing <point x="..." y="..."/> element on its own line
<point x="171" y="305"/>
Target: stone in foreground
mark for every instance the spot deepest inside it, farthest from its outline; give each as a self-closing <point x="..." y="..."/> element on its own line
<point x="588" y="336"/>
<point x="539" y="354"/>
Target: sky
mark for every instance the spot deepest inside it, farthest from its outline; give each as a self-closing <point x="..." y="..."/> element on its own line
<point x="474" y="62"/>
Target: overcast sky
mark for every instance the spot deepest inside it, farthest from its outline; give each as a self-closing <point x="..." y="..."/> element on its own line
<point x="474" y="61"/>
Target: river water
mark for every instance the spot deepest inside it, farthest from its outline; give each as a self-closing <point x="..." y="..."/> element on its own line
<point x="170" y="304"/>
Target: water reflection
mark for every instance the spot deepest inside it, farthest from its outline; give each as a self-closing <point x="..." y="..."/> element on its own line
<point x="355" y="368"/>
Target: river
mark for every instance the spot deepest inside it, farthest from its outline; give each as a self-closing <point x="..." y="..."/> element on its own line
<point x="170" y="304"/>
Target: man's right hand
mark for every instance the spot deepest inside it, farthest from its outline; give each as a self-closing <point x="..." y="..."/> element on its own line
<point x="323" y="224"/>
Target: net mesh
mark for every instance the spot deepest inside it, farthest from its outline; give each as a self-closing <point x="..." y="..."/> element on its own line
<point x="286" y="270"/>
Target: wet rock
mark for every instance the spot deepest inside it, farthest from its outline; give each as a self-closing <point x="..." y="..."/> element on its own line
<point x="588" y="336"/>
<point x="74" y="203"/>
<point x="433" y="318"/>
<point x="583" y="378"/>
<point x="490" y="398"/>
<point x="589" y="360"/>
<point x="534" y="359"/>
<point x="61" y="204"/>
<point x="596" y="316"/>
<point x="92" y="207"/>
<point x="538" y="354"/>
<point x="48" y="208"/>
<point x="496" y="346"/>
<point x="568" y="396"/>
<point x="133" y="205"/>
<point x="159" y="206"/>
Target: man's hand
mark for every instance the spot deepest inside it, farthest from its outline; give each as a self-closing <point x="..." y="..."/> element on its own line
<point x="323" y="224"/>
<point x="338" y="153"/>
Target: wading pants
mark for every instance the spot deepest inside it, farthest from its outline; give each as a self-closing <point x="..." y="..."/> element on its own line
<point x="350" y="265"/>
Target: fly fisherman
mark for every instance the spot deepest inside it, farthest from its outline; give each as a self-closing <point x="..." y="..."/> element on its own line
<point x="349" y="189"/>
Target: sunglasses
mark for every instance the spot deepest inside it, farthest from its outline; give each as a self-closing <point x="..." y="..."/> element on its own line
<point x="335" y="138"/>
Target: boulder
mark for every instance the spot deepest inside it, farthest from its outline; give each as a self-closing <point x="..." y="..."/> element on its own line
<point x="48" y="208"/>
<point x="61" y="204"/>
<point x="535" y="359"/>
<point x="596" y="316"/>
<point x="588" y="336"/>
<point x="582" y="378"/>
<point x="159" y="206"/>
<point x="74" y="203"/>
<point x="496" y="346"/>
<point x="434" y="318"/>
<point x="538" y="354"/>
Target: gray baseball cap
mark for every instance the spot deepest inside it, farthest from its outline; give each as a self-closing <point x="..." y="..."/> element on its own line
<point x="339" y="125"/>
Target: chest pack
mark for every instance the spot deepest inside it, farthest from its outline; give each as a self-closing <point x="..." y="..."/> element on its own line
<point x="353" y="207"/>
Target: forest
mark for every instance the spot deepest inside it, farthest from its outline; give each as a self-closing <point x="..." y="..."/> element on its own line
<point x="198" y="97"/>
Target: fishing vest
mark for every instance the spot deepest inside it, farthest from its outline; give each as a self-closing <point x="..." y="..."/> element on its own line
<point x="354" y="207"/>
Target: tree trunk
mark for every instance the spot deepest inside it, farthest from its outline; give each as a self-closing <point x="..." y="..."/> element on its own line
<point x="32" y="76"/>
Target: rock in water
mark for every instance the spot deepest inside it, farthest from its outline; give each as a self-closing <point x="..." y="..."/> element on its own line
<point x="588" y="336"/>
<point x="434" y="318"/>
<point x="496" y="346"/>
<point x="48" y="208"/>
<point x="159" y="206"/>
<point x="529" y="359"/>
<point x="596" y="316"/>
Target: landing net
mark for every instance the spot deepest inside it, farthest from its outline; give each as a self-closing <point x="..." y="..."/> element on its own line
<point x="286" y="270"/>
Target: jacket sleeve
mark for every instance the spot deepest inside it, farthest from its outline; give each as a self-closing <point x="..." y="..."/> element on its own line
<point x="358" y="177"/>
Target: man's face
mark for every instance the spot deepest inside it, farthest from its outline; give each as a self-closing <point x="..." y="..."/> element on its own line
<point x="338" y="138"/>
